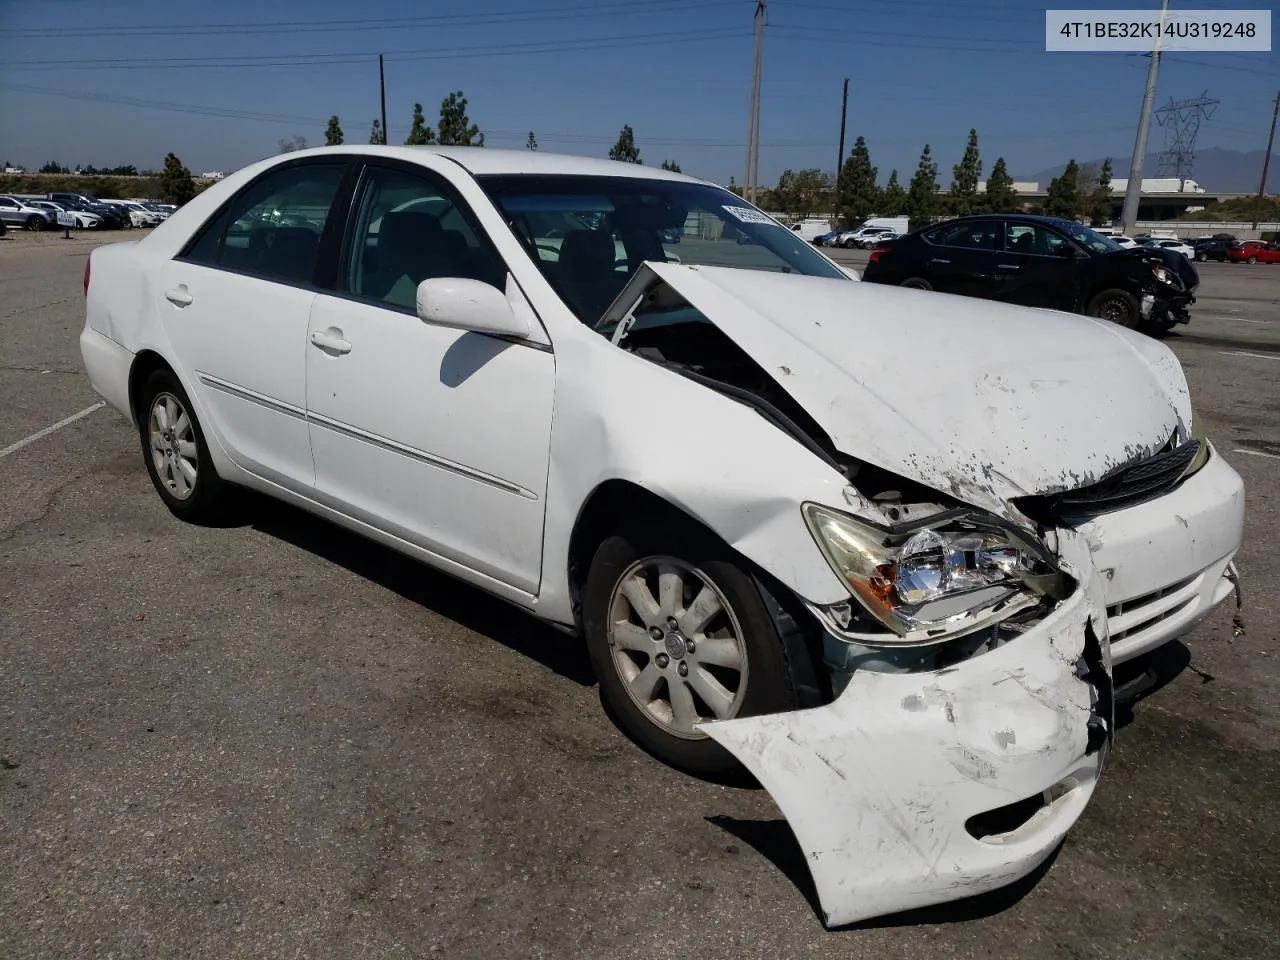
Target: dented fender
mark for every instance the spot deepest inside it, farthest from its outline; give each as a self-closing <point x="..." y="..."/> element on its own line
<point x="880" y="785"/>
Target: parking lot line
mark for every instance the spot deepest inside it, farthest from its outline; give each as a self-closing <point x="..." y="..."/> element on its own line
<point x="1242" y="353"/>
<point x="15" y="447"/>
<point x="1257" y="453"/>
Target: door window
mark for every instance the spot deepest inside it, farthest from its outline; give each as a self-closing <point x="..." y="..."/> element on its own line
<point x="1029" y="239"/>
<point x="273" y="228"/>
<point x="408" y="229"/>
<point x="972" y="235"/>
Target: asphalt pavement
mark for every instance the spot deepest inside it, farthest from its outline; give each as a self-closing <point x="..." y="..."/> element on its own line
<point x="277" y="740"/>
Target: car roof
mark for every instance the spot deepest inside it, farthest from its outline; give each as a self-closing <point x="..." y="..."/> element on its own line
<point x="1059" y="222"/>
<point x="484" y="161"/>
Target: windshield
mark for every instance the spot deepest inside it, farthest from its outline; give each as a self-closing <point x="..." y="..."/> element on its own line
<point x="589" y="234"/>
<point x="1089" y="238"/>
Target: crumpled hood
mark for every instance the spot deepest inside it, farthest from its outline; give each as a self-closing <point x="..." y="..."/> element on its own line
<point x="978" y="399"/>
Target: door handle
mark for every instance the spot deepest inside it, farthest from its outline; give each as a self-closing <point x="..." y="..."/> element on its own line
<point x="179" y="296"/>
<point x="1007" y="266"/>
<point x="331" y="341"/>
<point x="939" y="260"/>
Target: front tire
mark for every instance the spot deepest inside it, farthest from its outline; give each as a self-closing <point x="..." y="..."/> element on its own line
<point x="678" y="633"/>
<point x="176" y="455"/>
<point x="1117" y="306"/>
<point x="1251" y="261"/>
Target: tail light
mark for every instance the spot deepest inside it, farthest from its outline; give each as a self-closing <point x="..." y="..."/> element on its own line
<point x="878" y="251"/>
<point x="87" y="262"/>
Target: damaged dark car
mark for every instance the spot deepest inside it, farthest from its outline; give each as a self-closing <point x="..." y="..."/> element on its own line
<point x="1044" y="262"/>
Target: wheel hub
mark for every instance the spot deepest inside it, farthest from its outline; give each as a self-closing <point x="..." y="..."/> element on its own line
<point x="675" y="644"/>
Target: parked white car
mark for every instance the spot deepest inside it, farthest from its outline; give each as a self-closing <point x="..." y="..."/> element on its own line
<point x="881" y="546"/>
<point x="84" y="220"/>
<point x="1178" y="245"/>
<point x="139" y="215"/>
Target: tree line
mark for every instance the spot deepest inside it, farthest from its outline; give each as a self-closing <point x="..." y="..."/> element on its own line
<point x="455" y="128"/>
<point x="1080" y="193"/>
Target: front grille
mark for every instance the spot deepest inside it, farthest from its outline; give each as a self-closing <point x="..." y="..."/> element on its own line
<point x="1126" y="487"/>
<point x="1130" y="617"/>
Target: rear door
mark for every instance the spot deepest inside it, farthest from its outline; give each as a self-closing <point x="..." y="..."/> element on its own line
<point x="235" y="305"/>
<point x="960" y="257"/>
<point x="1038" y="267"/>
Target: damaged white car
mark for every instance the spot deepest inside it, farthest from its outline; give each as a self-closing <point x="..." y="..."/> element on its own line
<point x="879" y="546"/>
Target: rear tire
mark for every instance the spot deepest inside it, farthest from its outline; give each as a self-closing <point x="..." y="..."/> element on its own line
<point x="1251" y="261"/>
<point x="703" y="648"/>
<point x="1118" y="306"/>
<point x="35" y="222"/>
<point x="175" y="452"/>
<point x="916" y="283"/>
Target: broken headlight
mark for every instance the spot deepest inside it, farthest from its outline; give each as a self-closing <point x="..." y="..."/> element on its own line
<point x="931" y="581"/>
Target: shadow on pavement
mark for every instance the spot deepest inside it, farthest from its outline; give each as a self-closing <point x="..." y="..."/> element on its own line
<point x="1140" y="678"/>
<point x="774" y="840"/>
<point x="438" y="592"/>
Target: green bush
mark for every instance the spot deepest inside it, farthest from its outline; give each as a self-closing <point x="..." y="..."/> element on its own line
<point x="105" y="188"/>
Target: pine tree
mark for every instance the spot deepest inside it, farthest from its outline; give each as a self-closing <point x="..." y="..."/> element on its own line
<point x="858" y="194"/>
<point x="1001" y="197"/>
<point x="922" y="195"/>
<point x="333" y="132"/>
<point x="419" y="133"/>
<point x="893" y="199"/>
<point x="532" y="142"/>
<point x="456" y="128"/>
<point x="965" y="176"/>
<point x="377" y="134"/>
<point x="672" y="166"/>
<point x="1100" y="202"/>
<point x="625" y="149"/>
<point x="1063" y="196"/>
<point x="176" y="185"/>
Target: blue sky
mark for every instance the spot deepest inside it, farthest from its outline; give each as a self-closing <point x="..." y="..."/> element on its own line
<point x="90" y="81"/>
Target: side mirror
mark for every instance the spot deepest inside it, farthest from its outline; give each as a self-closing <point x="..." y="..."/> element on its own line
<point x="469" y="305"/>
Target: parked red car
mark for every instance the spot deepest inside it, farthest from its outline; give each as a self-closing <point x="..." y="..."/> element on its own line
<point x="1254" y="251"/>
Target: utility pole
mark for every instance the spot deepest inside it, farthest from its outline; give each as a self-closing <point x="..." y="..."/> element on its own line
<point x="753" y="127"/>
<point x="1266" y="159"/>
<point x="1133" y="189"/>
<point x="844" y="112"/>
<point x="382" y="86"/>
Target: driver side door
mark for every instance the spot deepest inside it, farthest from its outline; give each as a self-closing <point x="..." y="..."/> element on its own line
<point x="437" y="436"/>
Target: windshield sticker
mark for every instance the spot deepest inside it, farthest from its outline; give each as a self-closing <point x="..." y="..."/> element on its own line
<point x="747" y="215"/>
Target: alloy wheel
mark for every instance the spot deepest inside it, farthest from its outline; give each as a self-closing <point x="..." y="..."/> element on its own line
<point x="173" y="446"/>
<point x="677" y="645"/>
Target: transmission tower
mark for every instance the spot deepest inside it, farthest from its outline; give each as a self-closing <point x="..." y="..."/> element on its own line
<point x="1181" y="121"/>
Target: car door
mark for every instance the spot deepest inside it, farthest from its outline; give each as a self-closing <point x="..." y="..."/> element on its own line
<point x="235" y="304"/>
<point x="9" y="211"/>
<point x="435" y="435"/>
<point x="1038" y="266"/>
<point x="960" y="257"/>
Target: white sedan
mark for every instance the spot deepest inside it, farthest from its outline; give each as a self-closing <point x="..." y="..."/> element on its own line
<point x="84" y="220"/>
<point x="879" y="546"/>
<point x="1178" y="246"/>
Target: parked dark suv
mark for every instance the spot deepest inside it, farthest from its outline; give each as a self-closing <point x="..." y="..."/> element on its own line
<point x="1042" y="262"/>
<point x="1212" y="248"/>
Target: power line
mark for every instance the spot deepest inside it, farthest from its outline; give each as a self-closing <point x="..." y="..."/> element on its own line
<point x="378" y="23"/>
<point x="399" y="56"/>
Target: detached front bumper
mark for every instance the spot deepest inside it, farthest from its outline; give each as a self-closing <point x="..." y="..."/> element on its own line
<point x="913" y="789"/>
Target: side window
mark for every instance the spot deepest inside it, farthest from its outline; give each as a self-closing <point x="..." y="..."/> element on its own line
<point x="273" y="228"/>
<point x="1036" y="241"/>
<point x="979" y="235"/>
<point x="406" y="230"/>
